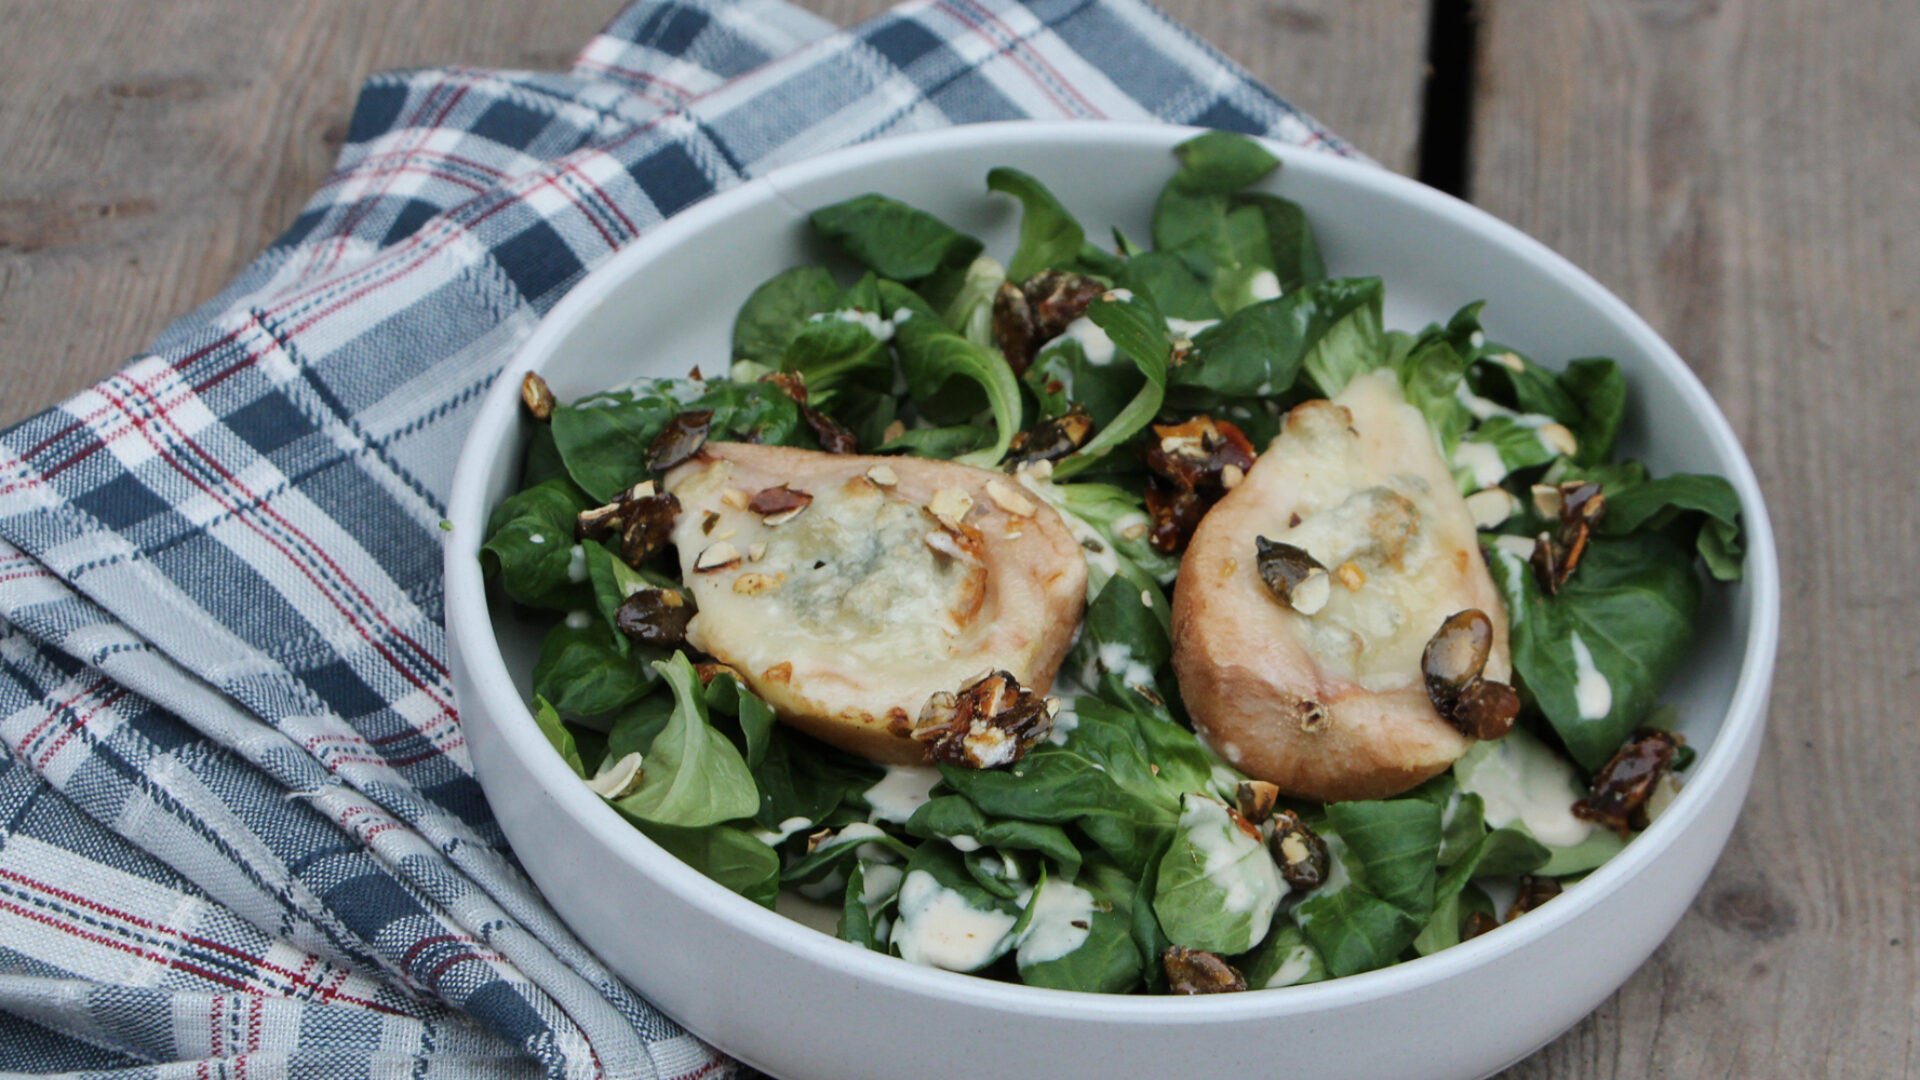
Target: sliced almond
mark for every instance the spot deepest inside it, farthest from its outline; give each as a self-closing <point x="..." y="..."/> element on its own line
<point x="1548" y="500"/>
<point x="735" y="498"/>
<point x="950" y="505"/>
<point x="617" y="779"/>
<point x="717" y="556"/>
<point x="755" y="584"/>
<point x="1559" y="439"/>
<point x="642" y="490"/>
<point x="1231" y="475"/>
<point x="883" y="475"/>
<point x="784" y="516"/>
<point x="756" y="551"/>
<point x="1008" y="499"/>
<point x="537" y="397"/>
<point x="1491" y="506"/>
<point x="1350" y="575"/>
<point x="893" y="431"/>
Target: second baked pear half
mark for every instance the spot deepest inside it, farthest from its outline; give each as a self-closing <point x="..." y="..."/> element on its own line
<point x="852" y="591"/>
<point x="1308" y="614"/>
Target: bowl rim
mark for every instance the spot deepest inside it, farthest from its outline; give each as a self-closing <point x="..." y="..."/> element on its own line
<point x="469" y="619"/>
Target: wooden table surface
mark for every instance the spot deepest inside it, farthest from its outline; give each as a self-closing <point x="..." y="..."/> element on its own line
<point x="1745" y="173"/>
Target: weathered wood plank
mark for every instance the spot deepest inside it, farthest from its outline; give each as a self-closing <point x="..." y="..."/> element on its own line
<point x="152" y="149"/>
<point x="1741" y="172"/>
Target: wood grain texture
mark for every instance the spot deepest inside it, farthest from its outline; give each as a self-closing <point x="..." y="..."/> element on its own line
<point x="1744" y="174"/>
<point x="150" y="150"/>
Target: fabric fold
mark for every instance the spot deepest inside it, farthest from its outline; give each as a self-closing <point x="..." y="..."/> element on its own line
<point x="226" y="719"/>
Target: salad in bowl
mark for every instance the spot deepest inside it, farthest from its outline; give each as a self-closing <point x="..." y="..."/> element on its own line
<point x="1127" y="614"/>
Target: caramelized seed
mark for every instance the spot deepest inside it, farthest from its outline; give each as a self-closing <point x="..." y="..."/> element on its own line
<point x="647" y="526"/>
<point x="1623" y="785"/>
<point x="655" y="617"/>
<point x="1057" y="298"/>
<point x="1299" y="852"/>
<point x="1013" y="329"/>
<point x="597" y="522"/>
<point x="1254" y="799"/>
<point x="1487" y="710"/>
<point x="991" y="722"/>
<point x="1475" y="924"/>
<point x="1455" y="656"/>
<point x="1534" y="891"/>
<point x="1051" y="440"/>
<point x="1294" y="577"/>
<point x="682" y="438"/>
<point x="1194" y="971"/>
<point x="536" y="396"/>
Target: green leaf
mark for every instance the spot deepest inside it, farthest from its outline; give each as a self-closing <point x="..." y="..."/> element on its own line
<point x="838" y="852"/>
<point x="694" y="776"/>
<point x="1100" y="782"/>
<point x="1050" y="238"/>
<point x="1696" y="510"/>
<point x="970" y="309"/>
<point x="1510" y="444"/>
<point x="939" y="443"/>
<point x="949" y="377"/>
<point x="1061" y="375"/>
<point x="1218" y="887"/>
<point x="1140" y="332"/>
<point x="733" y="857"/>
<point x="1296" y="255"/>
<point x="1396" y="843"/>
<point x="584" y="670"/>
<point x="1171" y="284"/>
<point x="1430" y="377"/>
<point x="1354" y="930"/>
<point x="549" y="723"/>
<point x="1340" y="331"/>
<point x="543" y="458"/>
<point x="948" y="816"/>
<point x="604" y="437"/>
<point x="829" y="350"/>
<point x="1631" y="604"/>
<point x="778" y="310"/>
<point x="613" y="581"/>
<point x="1516" y="784"/>
<point x="756" y="718"/>
<point x="799" y="777"/>
<point x="635" y="726"/>
<point x="872" y="889"/>
<point x="951" y="884"/>
<point x="1512" y="379"/>
<point x="1122" y="647"/>
<point x="1105" y="961"/>
<point x="529" y="546"/>
<point x="1601" y="392"/>
<point x="1283" y="959"/>
<point x="892" y="239"/>
<point x="1197" y="218"/>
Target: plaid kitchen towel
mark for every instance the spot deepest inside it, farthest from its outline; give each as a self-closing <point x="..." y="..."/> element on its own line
<point x="239" y="831"/>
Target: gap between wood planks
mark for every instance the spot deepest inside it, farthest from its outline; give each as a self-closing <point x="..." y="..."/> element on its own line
<point x="1446" y="109"/>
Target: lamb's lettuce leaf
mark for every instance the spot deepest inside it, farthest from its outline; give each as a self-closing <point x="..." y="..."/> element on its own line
<point x="1218" y="887"/>
<point x="586" y="670"/>
<point x="892" y="239"/>
<point x="529" y="546"/>
<point x="604" y="437"/>
<point x="1107" y="962"/>
<point x="694" y="775"/>
<point x="950" y="378"/>
<point x="1139" y="331"/>
<point x="1623" y="620"/>
<point x="1050" y="238"/>
<point x="778" y="309"/>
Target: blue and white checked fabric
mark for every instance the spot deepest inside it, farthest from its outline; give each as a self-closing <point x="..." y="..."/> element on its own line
<point x="239" y="830"/>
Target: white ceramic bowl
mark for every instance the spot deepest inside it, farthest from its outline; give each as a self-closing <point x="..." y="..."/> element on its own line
<point x="801" y="1004"/>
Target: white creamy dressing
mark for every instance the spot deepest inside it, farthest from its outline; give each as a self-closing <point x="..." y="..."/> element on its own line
<point x="1264" y="285"/>
<point x="1481" y="408"/>
<point x="1299" y="961"/>
<point x="938" y="928"/>
<point x="577" y="564"/>
<point x="903" y="790"/>
<point x="1519" y="779"/>
<point x="1117" y="657"/>
<point x="878" y="883"/>
<point x="1094" y="342"/>
<point x="1517" y="546"/>
<point x="1051" y="933"/>
<point x="1189" y="328"/>
<point x="1591" y="691"/>
<point x="1482" y="460"/>
<point x="772" y="837"/>
<point x="1233" y="862"/>
<point x="579" y="620"/>
<point x="877" y="325"/>
<point x="1064" y="722"/>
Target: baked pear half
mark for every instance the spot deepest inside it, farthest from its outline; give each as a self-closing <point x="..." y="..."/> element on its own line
<point x="848" y="590"/>
<point x="1332" y="705"/>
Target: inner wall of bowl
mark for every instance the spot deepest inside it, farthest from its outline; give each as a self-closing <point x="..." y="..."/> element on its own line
<point x="678" y="313"/>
